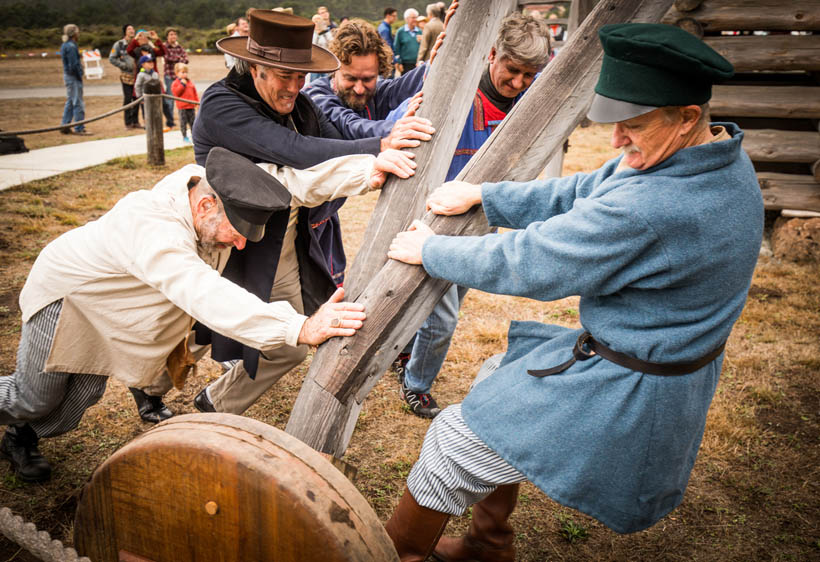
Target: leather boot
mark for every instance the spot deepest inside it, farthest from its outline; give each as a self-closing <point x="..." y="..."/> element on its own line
<point x="151" y="408"/>
<point x="490" y="538"/>
<point x="19" y="446"/>
<point x="415" y="529"/>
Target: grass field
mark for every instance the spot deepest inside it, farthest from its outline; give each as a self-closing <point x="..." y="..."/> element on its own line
<point x="755" y="489"/>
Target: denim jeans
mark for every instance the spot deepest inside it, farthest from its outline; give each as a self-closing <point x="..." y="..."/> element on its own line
<point x="74" y="106"/>
<point x="432" y="341"/>
<point x="168" y="104"/>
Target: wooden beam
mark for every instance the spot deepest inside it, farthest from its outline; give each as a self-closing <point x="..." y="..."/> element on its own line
<point x="789" y="191"/>
<point x="773" y="145"/>
<point x="751" y="15"/>
<point x="772" y="52"/>
<point x="785" y="102"/>
<point x="460" y="61"/>
<point x="399" y="297"/>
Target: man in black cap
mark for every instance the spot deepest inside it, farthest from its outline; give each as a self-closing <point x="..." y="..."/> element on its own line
<point x="258" y="111"/>
<point x="661" y="244"/>
<point x="118" y="296"/>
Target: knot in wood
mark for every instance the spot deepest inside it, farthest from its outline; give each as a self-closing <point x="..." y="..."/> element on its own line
<point x="211" y="508"/>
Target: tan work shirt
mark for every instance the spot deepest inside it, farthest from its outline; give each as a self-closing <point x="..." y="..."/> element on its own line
<point x="133" y="281"/>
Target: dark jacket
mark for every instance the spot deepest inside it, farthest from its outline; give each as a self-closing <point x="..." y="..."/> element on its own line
<point x="233" y="116"/>
<point x="71" y="60"/>
<point x="369" y="122"/>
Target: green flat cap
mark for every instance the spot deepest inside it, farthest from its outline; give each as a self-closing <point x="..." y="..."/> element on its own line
<point x="651" y="65"/>
<point x="249" y="194"/>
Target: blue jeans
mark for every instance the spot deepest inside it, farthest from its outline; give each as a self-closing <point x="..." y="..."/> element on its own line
<point x="432" y="341"/>
<point x="74" y="106"/>
<point x="168" y="105"/>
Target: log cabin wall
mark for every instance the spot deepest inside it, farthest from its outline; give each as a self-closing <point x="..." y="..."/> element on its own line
<point x="775" y="94"/>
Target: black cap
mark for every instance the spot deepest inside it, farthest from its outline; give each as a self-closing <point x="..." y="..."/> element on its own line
<point x="249" y="194"/>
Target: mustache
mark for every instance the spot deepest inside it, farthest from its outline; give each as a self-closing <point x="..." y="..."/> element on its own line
<point x="631" y="149"/>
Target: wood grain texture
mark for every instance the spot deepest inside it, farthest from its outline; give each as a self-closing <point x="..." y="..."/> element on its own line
<point x="399" y="297"/>
<point x="750" y="15"/>
<point x="773" y="145"/>
<point x="782" y="102"/>
<point x="153" y="124"/>
<point x="773" y="52"/>
<point x="220" y="487"/>
<point x="789" y="191"/>
<point x="448" y="93"/>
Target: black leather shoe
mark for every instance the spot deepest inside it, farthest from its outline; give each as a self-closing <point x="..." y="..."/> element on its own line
<point x="19" y="446"/>
<point x="202" y="403"/>
<point x="150" y="408"/>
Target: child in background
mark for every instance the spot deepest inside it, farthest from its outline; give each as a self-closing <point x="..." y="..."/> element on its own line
<point x="184" y="88"/>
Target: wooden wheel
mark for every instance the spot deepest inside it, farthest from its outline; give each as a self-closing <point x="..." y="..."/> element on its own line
<point x="220" y="487"/>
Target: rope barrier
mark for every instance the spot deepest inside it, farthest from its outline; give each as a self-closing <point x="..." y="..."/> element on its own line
<point x="39" y="543"/>
<point x="91" y="119"/>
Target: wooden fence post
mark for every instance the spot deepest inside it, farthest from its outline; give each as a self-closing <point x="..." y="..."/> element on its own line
<point x="398" y="296"/>
<point x="153" y="123"/>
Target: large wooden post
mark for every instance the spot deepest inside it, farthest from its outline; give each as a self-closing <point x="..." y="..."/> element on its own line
<point x="399" y="297"/>
<point x="448" y="92"/>
<point x="153" y="124"/>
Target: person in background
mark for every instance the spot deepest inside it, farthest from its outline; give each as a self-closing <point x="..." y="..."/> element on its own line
<point x="434" y="26"/>
<point x="661" y="244"/>
<point x="323" y="11"/>
<point x="321" y="38"/>
<point x="174" y="53"/>
<point x="385" y="27"/>
<point x="421" y="22"/>
<point x="183" y="87"/>
<point x="406" y="44"/>
<point x="145" y="75"/>
<point x="238" y="28"/>
<point x="120" y="58"/>
<point x="343" y="19"/>
<point x="73" y="77"/>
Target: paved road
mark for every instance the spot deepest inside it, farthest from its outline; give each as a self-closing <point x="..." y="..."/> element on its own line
<point x="89" y="89"/>
<point x="45" y="162"/>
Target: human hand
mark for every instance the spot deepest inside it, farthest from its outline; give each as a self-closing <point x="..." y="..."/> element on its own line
<point x="334" y="318"/>
<point x="450" y="12"/>
<point x="406" y="246"/>
<point x="408" y="132"/>
<point x="391" y="161"/>
<point x="414" y="104"/>
<point x="153" y="35"/>
<point x="400" y="68"/>
<point x="454" y="198"/>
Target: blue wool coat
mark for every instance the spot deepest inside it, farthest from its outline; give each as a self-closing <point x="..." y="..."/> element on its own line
<point x="662" y="260"/>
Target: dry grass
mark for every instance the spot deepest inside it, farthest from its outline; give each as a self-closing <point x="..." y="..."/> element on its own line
<point x="753" y="494"/>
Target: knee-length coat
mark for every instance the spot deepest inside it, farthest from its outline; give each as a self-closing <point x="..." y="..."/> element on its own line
<point x="662" y="260"/>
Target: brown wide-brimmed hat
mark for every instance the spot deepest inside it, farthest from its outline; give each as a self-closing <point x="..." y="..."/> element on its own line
<point x="280" y="40"/>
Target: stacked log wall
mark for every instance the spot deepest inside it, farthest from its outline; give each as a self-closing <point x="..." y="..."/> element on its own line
<point x="775" y="94"/>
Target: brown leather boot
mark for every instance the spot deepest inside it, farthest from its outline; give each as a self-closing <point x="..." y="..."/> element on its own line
<point x="490" y="538"/>
<point x="415" y="529"/>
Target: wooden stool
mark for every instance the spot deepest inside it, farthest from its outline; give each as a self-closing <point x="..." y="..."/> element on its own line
<point x="220" y="487"/>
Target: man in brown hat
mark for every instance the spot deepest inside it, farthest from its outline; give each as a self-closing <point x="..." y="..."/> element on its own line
<point x="259" y="112"/>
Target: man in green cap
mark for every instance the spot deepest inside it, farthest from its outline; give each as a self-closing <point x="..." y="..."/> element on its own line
<point x="660" y="243"/>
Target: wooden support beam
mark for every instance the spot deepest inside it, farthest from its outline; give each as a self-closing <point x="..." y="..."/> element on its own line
<point x="399" y="297"/>
<point x="751" y="15"/>
<point x="155" y="141"/>
<point x="789" y="191"/>
<point x="773" y="145"/>
<point x="460" y="61"/>
<point x="784" y="102"/>
<point x="772" y="52"/>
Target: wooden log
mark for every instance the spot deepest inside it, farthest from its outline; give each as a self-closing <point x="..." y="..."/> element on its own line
<point x="772" y="52"/>
<point x="789" y="191"/>
<point x="460" y="61"/>
<point x="691" y="25"/>
<point x="815" y="171"/>
<point x="153" y="123"/>
<point x="221" y="487"/>
<point x="578" y="12"/>
<point x="687" y="5"/>
<point x="773" y="145"/>
<point x="400" y="296"/>
<point x="785" y="102"/>
<point x="751" y="15"/>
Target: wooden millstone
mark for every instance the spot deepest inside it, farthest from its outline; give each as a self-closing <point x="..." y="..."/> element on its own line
<point x="220" y="487"/>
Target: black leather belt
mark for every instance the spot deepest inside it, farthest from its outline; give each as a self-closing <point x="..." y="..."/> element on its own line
<point x="586" y="346"/>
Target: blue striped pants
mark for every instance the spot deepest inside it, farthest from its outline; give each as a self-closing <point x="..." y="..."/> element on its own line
<point x="455" y="468"/>
<point x="51" y="403"/>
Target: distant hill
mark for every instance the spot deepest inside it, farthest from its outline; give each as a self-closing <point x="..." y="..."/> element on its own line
<point x="201" y="14"/>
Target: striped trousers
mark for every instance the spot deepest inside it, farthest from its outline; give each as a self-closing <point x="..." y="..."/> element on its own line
<point x="455" y="468"/>
<point x="51" y="403"/>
